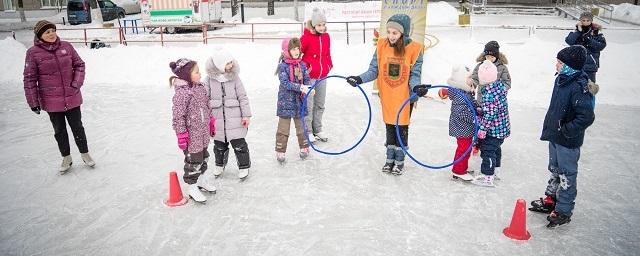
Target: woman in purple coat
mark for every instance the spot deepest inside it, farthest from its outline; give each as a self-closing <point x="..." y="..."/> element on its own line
<point x="53" y="75"/>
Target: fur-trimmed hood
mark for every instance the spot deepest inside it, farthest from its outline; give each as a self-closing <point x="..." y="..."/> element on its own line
<point x="214" y="71"/>
<point x="593" y="88"/>
<point x="501" y="57"/>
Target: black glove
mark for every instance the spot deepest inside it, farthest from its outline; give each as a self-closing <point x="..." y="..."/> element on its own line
<point x="354" y="80"/>
<point x="36" y="110"/>
<point x="421" y="89"/>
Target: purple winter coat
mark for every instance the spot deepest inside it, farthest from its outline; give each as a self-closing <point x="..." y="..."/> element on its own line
<point x="53" y="75"/>
<point x="191" y="113"/>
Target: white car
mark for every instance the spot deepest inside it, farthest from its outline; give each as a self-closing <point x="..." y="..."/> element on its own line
<point x="129" y="6"/>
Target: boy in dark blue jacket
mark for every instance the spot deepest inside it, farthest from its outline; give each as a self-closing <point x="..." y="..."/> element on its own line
<point x="570" y="113"/>
<point x="589" y="35"/>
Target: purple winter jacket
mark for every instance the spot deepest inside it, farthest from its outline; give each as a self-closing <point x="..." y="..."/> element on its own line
<point x="191" y="113"/>
<point x="53" y="75"/>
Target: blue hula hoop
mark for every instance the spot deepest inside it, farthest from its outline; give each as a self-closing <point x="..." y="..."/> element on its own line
<point x="304" y="126"/>
<point x="475" y="127"/>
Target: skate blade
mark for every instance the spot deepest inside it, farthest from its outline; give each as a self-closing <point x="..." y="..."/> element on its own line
<point x="455" y="178"/>
<point x="555" y="225"/>
<point x="205" y="190"/>
<point x="533" y="209"/>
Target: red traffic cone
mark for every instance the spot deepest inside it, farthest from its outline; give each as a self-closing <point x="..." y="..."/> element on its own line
<point x="518" y="228"/>
<point x="175" y="192"/>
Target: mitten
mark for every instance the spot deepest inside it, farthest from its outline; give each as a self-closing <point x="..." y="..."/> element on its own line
<point x="212" y="126"/>
<point x="36" y="110"/>
<point x="183" y="140"/>
<point x="354" y="80"/>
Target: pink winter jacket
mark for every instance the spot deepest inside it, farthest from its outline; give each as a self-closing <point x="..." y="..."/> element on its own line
<point x="53" y="75"/>
<point x="191" y="113"/>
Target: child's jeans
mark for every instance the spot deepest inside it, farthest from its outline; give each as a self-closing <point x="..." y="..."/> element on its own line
<point x="195" y="164"/>
<point x="491" y="154"/>
<point x="282" y="134"/>
<point x="462" y="166"/>
<point x="563" y="165"/>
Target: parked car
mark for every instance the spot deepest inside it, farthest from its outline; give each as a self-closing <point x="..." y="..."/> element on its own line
<point x="79" y="11"/>
<point x="129" y="6"/>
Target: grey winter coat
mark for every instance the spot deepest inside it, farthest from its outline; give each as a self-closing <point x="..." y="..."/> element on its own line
<point x="228" y="101"/>
<point x="503" y="73"/>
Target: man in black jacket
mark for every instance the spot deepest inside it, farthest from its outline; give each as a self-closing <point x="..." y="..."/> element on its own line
<point x="570" y="113"/>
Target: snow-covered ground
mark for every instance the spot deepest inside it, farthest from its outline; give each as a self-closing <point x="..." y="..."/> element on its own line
<point x="326" y="205"/>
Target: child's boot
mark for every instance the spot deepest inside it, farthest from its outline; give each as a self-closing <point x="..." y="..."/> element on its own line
<point x="546" y="205"/>
<point x="86" y="158"/>
<point x="483" y="180"/>
<point x="243" y="173"/>
<point x="196" y="194"/>
<point x="66" y="164"/>
<point x="304" y="153"/>
<point x="280" y="157"/>
<point x="556" y="219"/>
<point x="206" y="182"/>
<point x="321" y="137"/>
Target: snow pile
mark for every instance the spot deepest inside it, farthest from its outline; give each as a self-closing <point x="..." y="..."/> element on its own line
<point x="441" y="13"/>
<point x="627" y="12"/>
<point x="13" y="52"/>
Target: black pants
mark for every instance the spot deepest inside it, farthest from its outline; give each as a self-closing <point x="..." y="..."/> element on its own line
<point x="74" y="117"/>
<point x="404" y="132"/>
<point x="195" y="164"/>
<point x="240" y="147"/>
<point x="392" y="139"/>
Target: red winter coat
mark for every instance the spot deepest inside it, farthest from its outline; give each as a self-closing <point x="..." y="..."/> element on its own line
<point x="317" y="53"/>
<point x="53" y="75"/>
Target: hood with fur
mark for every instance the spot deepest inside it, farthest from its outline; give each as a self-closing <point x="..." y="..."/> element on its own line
<point x="501" y="57"/>
<point x="215" y="65"/>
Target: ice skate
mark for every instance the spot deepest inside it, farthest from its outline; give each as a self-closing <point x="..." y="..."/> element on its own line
<point x="66" y="164"/>
<point x="86" y="158"/>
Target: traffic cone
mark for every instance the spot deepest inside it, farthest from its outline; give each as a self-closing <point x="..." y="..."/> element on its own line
<point x="175" y="192"/>
<point x="518" y="228"/>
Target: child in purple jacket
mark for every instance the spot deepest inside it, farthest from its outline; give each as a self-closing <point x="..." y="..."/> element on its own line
<point x="192" y="122"/>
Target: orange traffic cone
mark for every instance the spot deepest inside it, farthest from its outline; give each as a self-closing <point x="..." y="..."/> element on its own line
<point x="175" y="192"/>
<point x="518" y="228"/>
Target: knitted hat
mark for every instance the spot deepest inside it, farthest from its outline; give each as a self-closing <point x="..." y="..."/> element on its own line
<point x="459" y="76"/>
<point x="401" y="22"/>
<point x="220" y="59"/>
<point x="288" y="44"/>
<point x="574" y="56"/>
<point x="487" y="72"/>
<point x="586" y="15"/>
<point x="182" y="68"/>
<point x="42" y="27"/>
<point x="492" y="48"/>
<point x="317" y="17"/>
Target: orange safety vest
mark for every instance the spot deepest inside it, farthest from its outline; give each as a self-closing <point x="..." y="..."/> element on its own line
<point x="393" y="79"/>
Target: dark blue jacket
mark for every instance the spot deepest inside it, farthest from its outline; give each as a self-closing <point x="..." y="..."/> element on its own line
<point x="289" y="95"/>
<point x="570" y="111"/>
<point x="591" y="39"/>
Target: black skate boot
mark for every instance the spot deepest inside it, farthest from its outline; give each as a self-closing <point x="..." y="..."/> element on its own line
<point x="546" y="205"/>
<point x="387" y="167"/>
<point x="556" y="219"/>
<point x="397" y="170"/>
